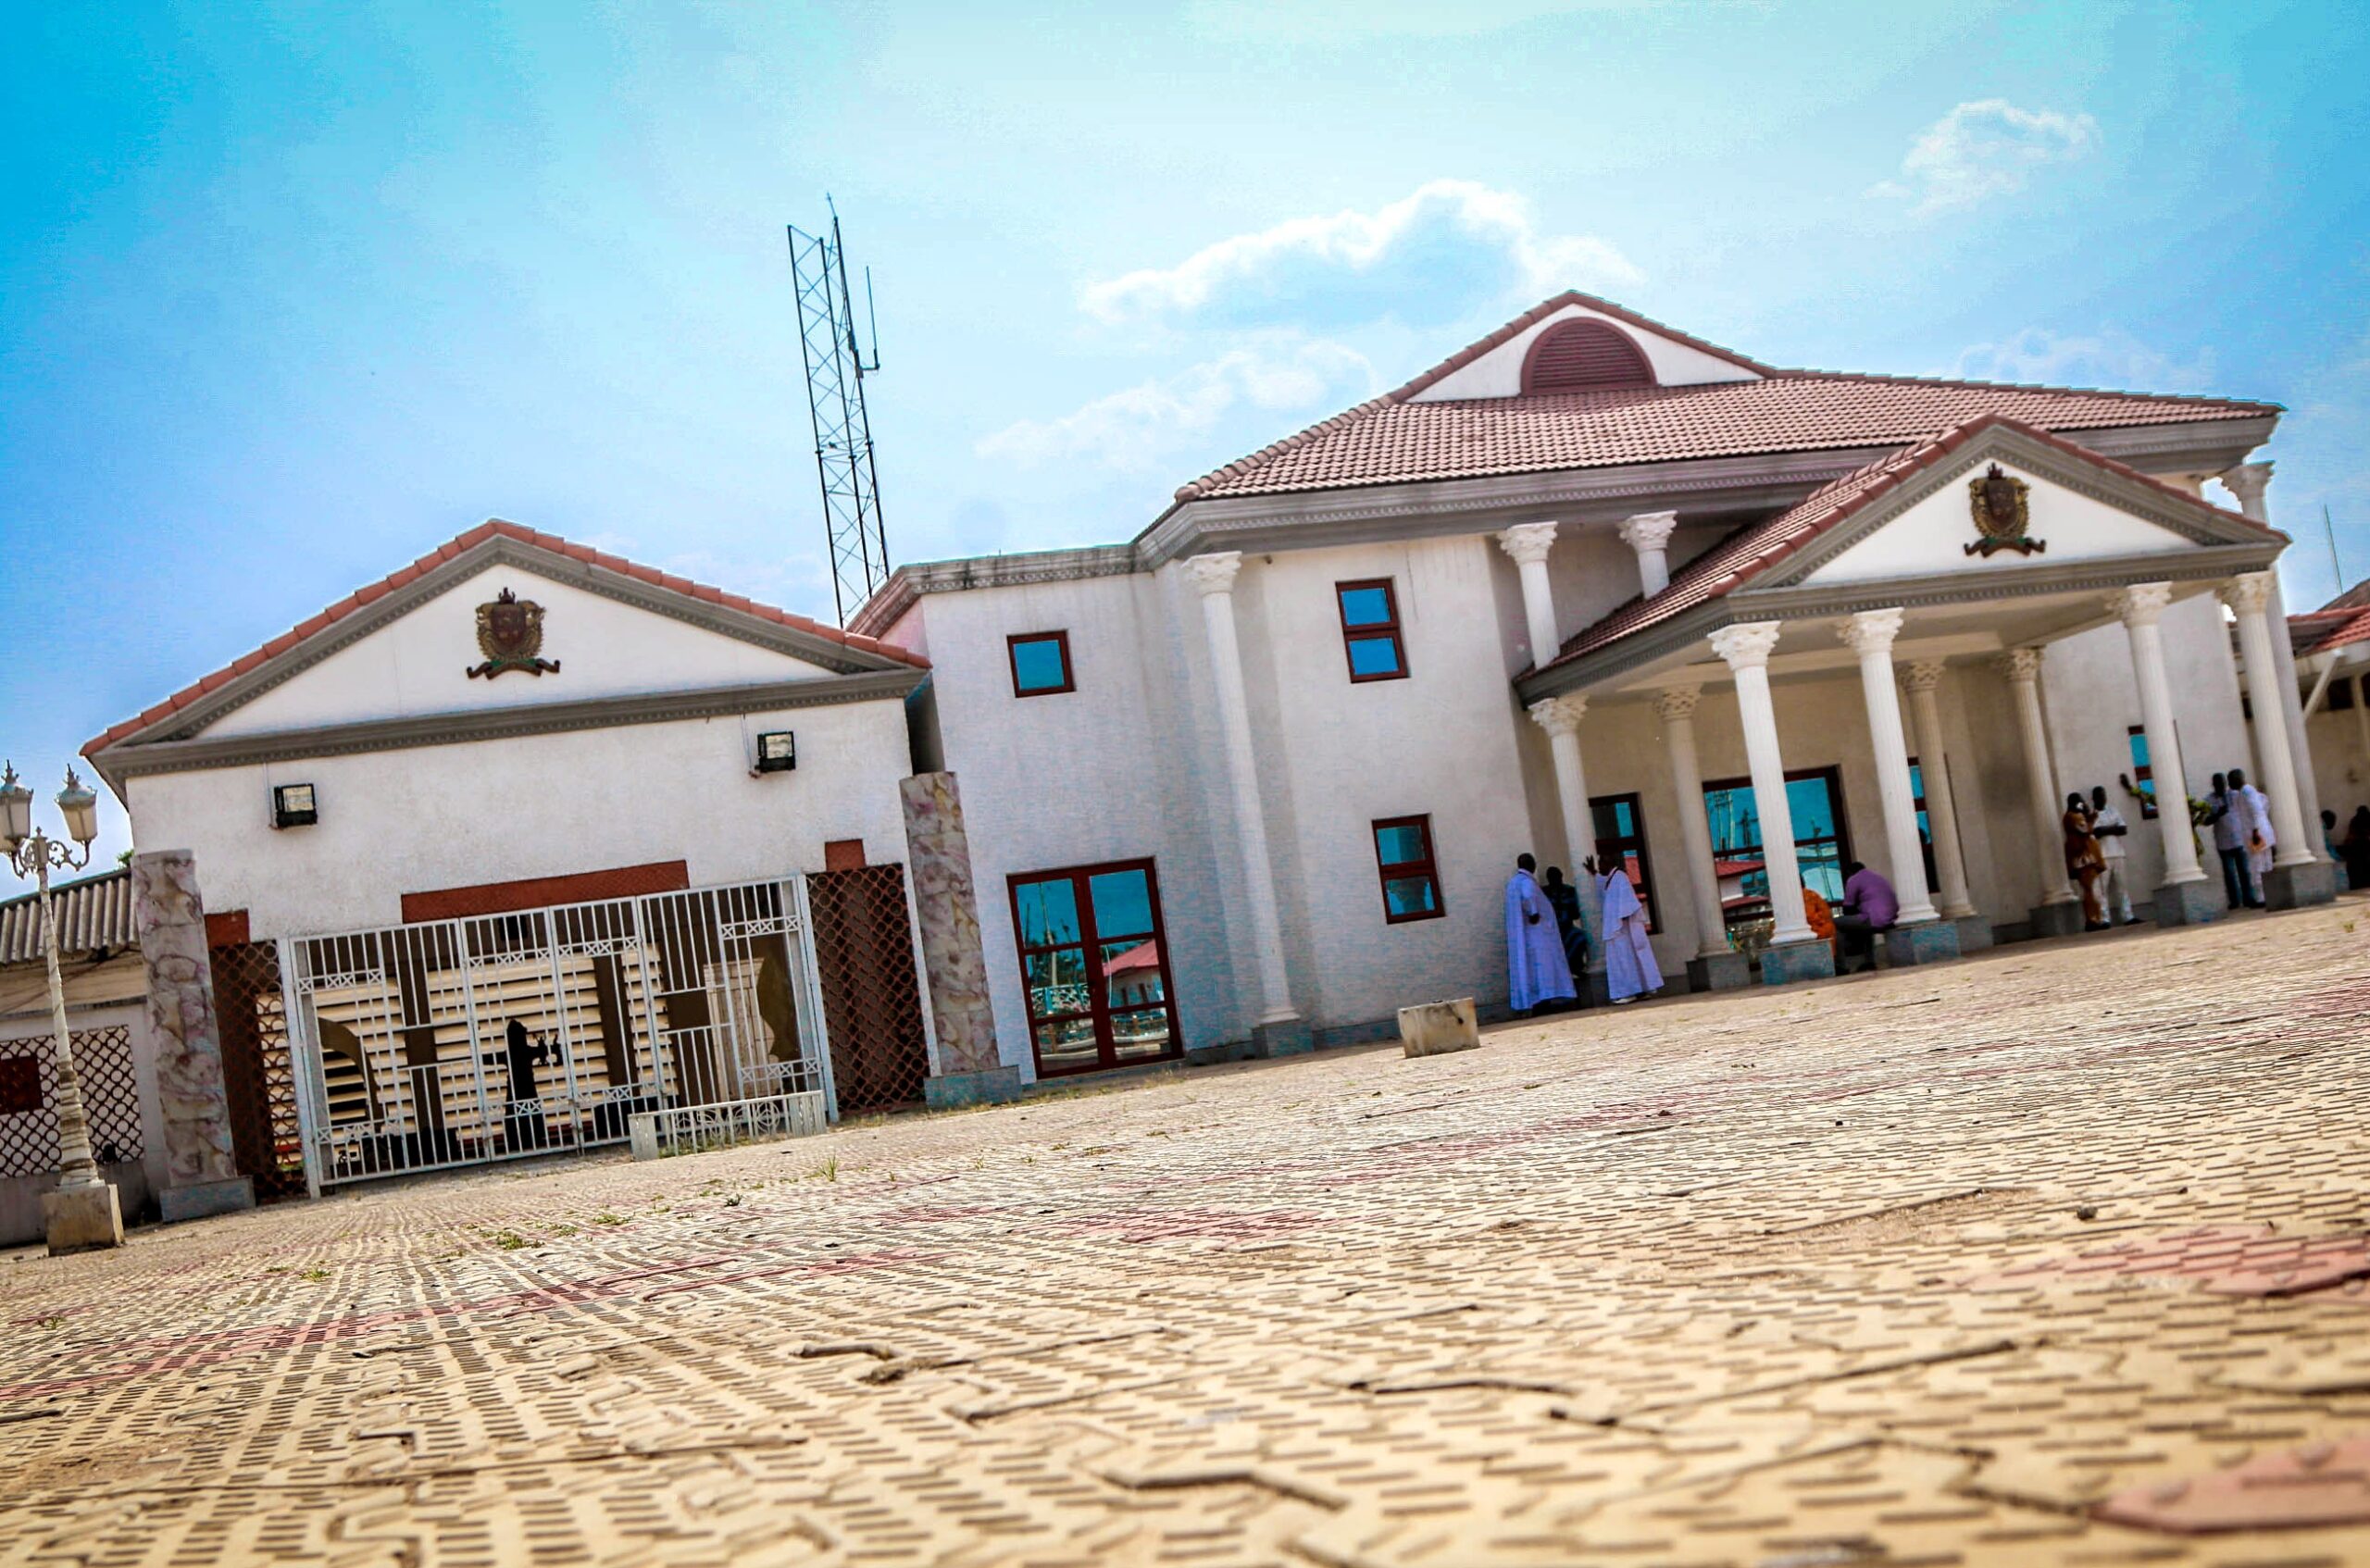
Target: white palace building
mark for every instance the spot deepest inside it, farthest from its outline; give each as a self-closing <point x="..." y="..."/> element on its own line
<point x="536" y="836"/>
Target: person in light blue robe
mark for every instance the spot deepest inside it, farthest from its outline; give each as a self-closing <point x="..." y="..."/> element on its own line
<point x="1629" y="968"/>
<point x="1537" y="971"/>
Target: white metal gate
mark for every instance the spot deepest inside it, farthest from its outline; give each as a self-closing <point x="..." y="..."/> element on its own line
<point x="497" y="1036"/>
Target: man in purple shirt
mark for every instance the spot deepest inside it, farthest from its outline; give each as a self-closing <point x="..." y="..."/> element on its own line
<point x="1869" y="906"/>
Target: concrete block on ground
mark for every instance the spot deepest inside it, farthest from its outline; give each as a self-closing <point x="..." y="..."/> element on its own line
<point x="82" y="1219"/>
<point x="205" y="1199"/>
<point x="2299" y="887"/>
<point x="2189" y="904"/>
<point x="1434" y="1029"/>
<point x="992" y="1086"/>
<point x="1784" y="963"/>
<point x="1719" y="972"/>
<point x="1929" y="941"/>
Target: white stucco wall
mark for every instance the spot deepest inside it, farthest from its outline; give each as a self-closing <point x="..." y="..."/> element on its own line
<point x="539" y="805"/>
<point x="2340" y="746"/>
<point x="1931" y="537"/>
<point x="415" y="665"/>
<point x="1499" y="372"/>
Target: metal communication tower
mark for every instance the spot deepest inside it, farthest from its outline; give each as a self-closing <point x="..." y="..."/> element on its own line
<point x="835" y="373"/>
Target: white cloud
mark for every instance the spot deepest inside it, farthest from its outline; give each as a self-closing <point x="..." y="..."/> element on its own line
<point x="1139" y="427"/>
<point x="1427" y="257"/>
<point x="1986" y="148"/>
<point x="2108" y="357"/>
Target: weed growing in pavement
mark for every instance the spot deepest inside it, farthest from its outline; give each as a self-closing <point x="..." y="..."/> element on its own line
<point x="315" y="1274"/>
<point x="52" y="1320"/>
<point x="605" y="1217"/>
<point x="509" y="1241"/>
<point x="828" y="1171"/>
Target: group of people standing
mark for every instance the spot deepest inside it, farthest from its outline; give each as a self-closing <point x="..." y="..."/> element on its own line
<point x="2095" y="850"/>
<point x="1547" y="942"/>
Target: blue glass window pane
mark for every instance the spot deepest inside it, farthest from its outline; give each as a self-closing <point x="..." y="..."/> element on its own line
<point x="1398" y="846"/>
<point x="1048" y="913"/>
<point x="1037" y="665"/>
<point x="1122" y="904"/>
<point x="1811" y="808"/>
<point x="1374" y="656"/>
<point x="1411" y="895"/>
<point x="1365" y="606"/>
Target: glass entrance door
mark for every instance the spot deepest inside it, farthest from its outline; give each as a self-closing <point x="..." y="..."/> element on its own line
<point x="1094" y="967"/>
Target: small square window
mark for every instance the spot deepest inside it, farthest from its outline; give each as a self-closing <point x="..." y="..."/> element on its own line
<point x="1371" y="630"/>
<point x="2143" y="776"/>
<point x="292" y="806"/>
<point x="777" y="750"/>
<point x="1411" y="883"/>
<point x="1041" y="663"/>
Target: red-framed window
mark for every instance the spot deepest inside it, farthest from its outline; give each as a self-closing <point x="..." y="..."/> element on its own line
<point x="1411" y="880"/>
<point x="1370" y="630"/>
<point x="1621" y="836"/>
<point x="1094" y="966"/>
<point x="1041" y="663"/>
<point x="2144" y="773"/>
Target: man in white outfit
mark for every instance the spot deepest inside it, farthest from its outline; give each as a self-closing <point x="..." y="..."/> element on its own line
<point x="2253" y="808"/>
<point x="2115" y="890"/>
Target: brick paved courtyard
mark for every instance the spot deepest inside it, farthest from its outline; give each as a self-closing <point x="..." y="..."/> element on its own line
<point x="2050" y="1256"/>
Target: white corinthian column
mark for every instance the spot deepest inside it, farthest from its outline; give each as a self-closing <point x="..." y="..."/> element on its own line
<point x="1528" y="544"/>
<point x="2249" y="596"/>
<point x="2251" y="482"/>
<point x="2022" y="666"/>
<point x="2139" y="607"/>
<point x="1746" y="650"/>
<point x="1870" y="635"/>
<point x="1942" y="802"/>
<point x="1212" y="577"/>
<point x="1560" y="717"/>
<point x="1648" y="533"/>
<point x="1675" y="707"/>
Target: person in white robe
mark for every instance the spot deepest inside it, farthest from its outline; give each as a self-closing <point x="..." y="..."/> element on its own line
<point x="1537" y="971"/>
<point x="1629" y="968"/>
<point x="2254" y="825"/>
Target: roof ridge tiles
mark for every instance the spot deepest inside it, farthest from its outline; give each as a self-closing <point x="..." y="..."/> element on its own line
<point x="1888" y="377"/>
<point x="453" y="549"/>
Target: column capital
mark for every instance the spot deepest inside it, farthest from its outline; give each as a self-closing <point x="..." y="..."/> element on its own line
<point x="1871" y="631"/>
<point x="1527" y="543"/>
<point x="2021" y="665"/>
<point x="2249" y="593"/>
<point x="1677" y="701"/>
<point x="1559" y="716"/>
<point x="2248" y="481"/>
<point x="1745" y="646"/>
<point x="2141" y="604"/>
<point x="1213" y="573"/>
<point x="1926" y="675"/>
<point x="1648" y="530"/>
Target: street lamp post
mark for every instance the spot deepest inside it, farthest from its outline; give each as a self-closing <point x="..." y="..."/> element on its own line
<point x="84" y="1213"/>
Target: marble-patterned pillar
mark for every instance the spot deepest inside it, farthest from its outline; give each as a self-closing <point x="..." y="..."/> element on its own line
<point x="953" y="960"/>
<point x="201" y="1165"/>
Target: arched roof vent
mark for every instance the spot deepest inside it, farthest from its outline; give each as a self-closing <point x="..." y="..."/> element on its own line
<point x="1584" y="356"/>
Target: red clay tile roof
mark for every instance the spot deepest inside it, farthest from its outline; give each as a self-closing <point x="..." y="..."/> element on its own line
<point x="1394" y="439"/>
<point x="2318" y="631"/>
<point x="467" y="541"/>
<point x="1753" y="550"/>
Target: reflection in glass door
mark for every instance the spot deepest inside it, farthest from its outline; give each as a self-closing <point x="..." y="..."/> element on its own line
<point x="1822" y="848"/>
<point x="1094" y="967"/>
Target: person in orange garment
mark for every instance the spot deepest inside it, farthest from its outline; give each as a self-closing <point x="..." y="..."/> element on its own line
<point x="1819" y="913"/>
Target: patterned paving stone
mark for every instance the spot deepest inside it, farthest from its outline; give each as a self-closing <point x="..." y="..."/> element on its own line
<point x="2051" y="1256"/>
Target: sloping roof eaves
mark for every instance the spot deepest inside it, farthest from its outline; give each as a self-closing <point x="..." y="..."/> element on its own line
<point x="1757" y="548"/>
<point x="92" y="914"/>
<point x="455" y="548"/>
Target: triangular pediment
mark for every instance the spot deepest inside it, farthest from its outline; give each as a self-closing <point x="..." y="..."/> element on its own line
<point x="2059" y="507"/>
<point x="1496" y="365"/>
<point x="582" y="634"/>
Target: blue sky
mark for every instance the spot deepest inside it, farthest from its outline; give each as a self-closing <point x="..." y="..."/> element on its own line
<point x="290" y="294"/>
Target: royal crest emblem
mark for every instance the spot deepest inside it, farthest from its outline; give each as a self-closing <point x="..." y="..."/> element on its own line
<point x="510" y="635"/>
<point x="1998" y="502"/>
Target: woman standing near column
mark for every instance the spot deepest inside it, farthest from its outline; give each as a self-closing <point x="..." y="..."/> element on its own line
<point x="2083" y="861"/>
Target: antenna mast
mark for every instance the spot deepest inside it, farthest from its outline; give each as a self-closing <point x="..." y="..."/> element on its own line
<point x="835" y="371"/>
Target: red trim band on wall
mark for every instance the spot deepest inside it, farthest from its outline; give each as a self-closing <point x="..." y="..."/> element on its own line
<point x="535" y="892"/>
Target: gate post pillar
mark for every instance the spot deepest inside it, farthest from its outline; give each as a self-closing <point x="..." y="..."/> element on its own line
<point x="202" y="1173"/>
<point x="968" y="1070"/>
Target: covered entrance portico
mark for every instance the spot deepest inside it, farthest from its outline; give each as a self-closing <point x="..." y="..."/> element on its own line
<point x="1942" y="659"/>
